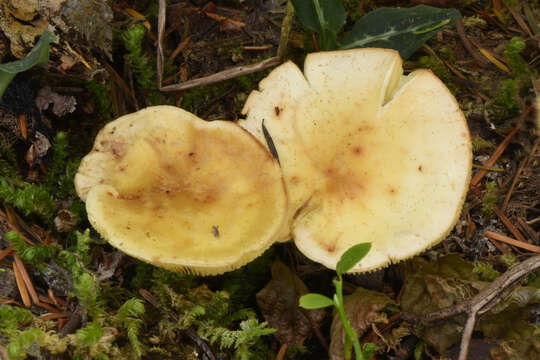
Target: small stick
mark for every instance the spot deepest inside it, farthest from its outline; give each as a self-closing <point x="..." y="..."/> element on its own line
<point x="509" y="224"/>
<point x="224" y="75"/>
<point x="514" y="242"/>
<point x="487" y="168"/>
<point x="256" y="48"/>
<point x="78" y="56"/>
<point x="24" y="126"/>
<point x="282" y="352"/>
<point x="6" y="252"/>
<point x="118" y="79"/>
<point x="161" y="29"/>
<point x="513" y="185"/>
<point x="467" y="44"/>
<point x="55" y="316"/>
<point x="520" y="20"/>
<point x="179" y="48"/>
<point x="22" y="289"/>
<point x="496" y="155"/>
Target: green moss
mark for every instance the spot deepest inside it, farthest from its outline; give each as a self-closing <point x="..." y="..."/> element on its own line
<point x="485" y="271"/>
<point x="479" y="143"/>
<point x="439" y="69"/>
<point x="515" y="62"/>
<point x="21" y="342"/>
<point x="90" y="334"/>
<point x="11" y="317"/>
<point x="102" y="97"/>
<point x="30" y="199"/>
<point x="31" y="254"/>
<point x="505" y="103"/>
<point x="142" y="65"/>
<point x="490" y="197"/>
<point x="210" y="312"/>
<point x="508" y="94"/>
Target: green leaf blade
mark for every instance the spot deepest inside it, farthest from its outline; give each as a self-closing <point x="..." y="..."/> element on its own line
<point x="402" y="29"/>
<point x="315" y="301"/>
<point x="351" y="257"/>
<point x="325" y="17"/>
<point x="39" y="55"/>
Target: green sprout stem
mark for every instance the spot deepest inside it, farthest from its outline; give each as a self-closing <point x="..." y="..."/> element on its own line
<point x="351" y="333"/>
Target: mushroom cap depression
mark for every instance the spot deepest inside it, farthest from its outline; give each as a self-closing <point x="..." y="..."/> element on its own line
<point x="173" y="190"/>
<point x="368" y="154"/>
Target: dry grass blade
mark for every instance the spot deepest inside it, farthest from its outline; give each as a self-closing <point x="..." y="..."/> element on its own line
<point x="491" y="57"/>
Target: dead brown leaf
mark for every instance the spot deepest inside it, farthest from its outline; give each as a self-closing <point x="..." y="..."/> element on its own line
<point x="278" y="302"/>
<point x="363" y="308"/>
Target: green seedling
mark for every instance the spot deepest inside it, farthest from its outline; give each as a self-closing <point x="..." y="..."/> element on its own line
<point x="316" y="301"/>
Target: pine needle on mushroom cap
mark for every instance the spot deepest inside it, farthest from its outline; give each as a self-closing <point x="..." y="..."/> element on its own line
<point x="173" y="190"/>
<point x="368" y="154"/>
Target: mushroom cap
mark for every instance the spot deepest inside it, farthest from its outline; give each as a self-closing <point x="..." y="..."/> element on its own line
<point x="173" y="190"/>
<point x="388" y="156"/>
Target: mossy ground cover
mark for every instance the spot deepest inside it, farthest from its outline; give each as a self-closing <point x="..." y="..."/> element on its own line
<point x="85" y="300"/>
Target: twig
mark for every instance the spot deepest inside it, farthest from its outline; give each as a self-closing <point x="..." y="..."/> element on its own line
<point x="224" y="75"/>
<point x="282" y="352"/>
<point x="6" y="252"/>
<point x="519" y="20"/>
<point x="466" y="337"/>
<point x="118" y="79"/>
<point x="161" y="29"/>
<point x="508" y="224"/>
<point x="461" y="32"/>
<point x="513" y="185"/>
<point x="496" y="155"/>
<point x="482" y="302"/>
<point x="514" y="242"/>
<point x="179" y="48"/>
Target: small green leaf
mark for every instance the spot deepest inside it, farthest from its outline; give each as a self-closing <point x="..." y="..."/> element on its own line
<point x="351" y="257"/>
<point x="39" y="55"/>
<point x="325" y="17"/>
<point x="315" y="301"/>
<point x="402" y="29"/>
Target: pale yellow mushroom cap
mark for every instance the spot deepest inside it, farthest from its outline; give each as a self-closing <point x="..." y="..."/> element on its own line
<point x="173" y="190"/>
<point x="368" y="155"/>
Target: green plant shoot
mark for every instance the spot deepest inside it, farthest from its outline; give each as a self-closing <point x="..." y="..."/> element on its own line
<point x="39" y="55"/>
<point x="348" y="260"/>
